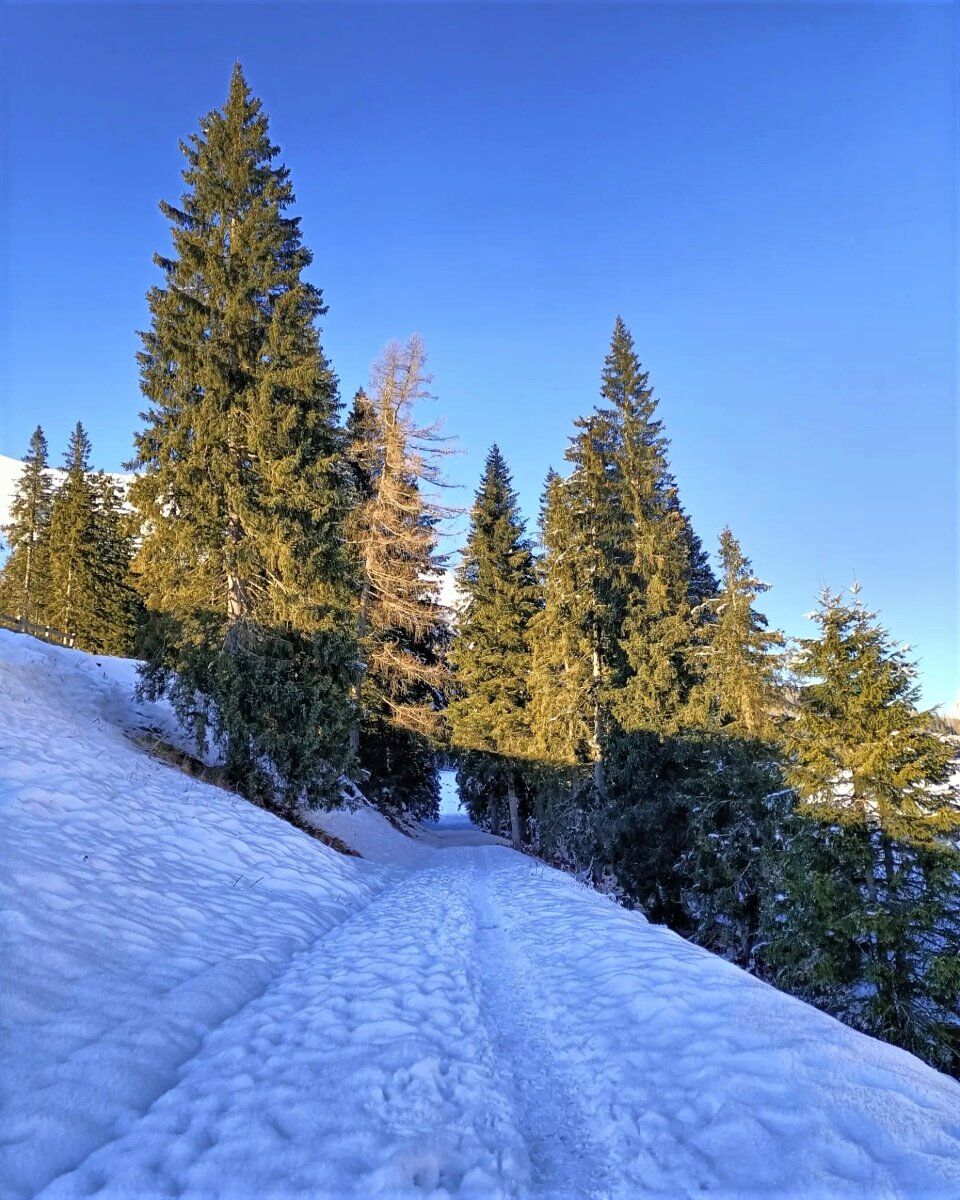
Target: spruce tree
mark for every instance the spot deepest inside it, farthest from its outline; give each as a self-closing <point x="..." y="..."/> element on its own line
<point x="489" y="715"/>
<point x="74" y="549"/>
<point x="737" y="660"/>
<point x="402" y="625"/>
<point x="600" y="539"/>
<point x="735" y="805"/>
<point x="703" y="582"/>
<point x="244" y="489"/>
<point x="117" y="607"/>
<point x="364" y="451"/>
<point x="631" y="564"/>
<point x="24" y="584"/>
<point x="868" y="922"/>
<point x="622" y="571"/>
<point x="638" y="818"/>
<point x="563" y="721"/>
<point x="657" y="628"/>
<point x="733" y="792"/>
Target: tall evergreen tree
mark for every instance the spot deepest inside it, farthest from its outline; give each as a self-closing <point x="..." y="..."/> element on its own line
<point x="74" y="548"/>
<point x="563" y="719"/>
<point x="601" y="533"/>
<point x="657" y="627"/>
<point x="868" y="923"/>
<point x="733" y="792"/>
<point x="24" y="584"/>
<point x="117" y="608"/>
<point x="402" y="625"/>
<point x="364" y="451"/>
<point x="244" y="489"/>
<point x="632" y="567"/>
<point x="489" y="715"/>
<point x="703" y="582"/>
<point x="738" y="657"/>
<point x="622" y="571"/>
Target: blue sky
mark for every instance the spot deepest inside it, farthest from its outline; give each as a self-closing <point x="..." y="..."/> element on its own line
<point x="765" y="192"/>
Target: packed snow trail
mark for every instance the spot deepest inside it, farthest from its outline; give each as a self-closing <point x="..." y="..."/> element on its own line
<point x="201" y="1001"/>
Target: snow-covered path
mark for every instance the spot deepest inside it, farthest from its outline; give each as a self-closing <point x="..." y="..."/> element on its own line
<point x="486" y="1027"/>
<point x="206" y="1003"/>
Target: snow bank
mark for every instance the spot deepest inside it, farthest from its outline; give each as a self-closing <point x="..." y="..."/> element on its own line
<point x="365" y="830"/>
<point x="690" y="1077"/>
<point x="141" y="908"/>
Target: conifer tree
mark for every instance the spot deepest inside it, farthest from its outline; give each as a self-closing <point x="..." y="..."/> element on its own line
<point x="402" y="625"/>
<point x="24" y="584"/>
<point x="117" y="604"/>
<point x="622" y="570"/>
<point x="74" y="549"/>
<point x="733" y="777"/>
<point x="600" y="538"/>
<point x="489" y="716"/>
<point x="868" y="922"/>
<point x="634" y="581"/>
<point x="657" y="628"/>
<point x="736" y="690"/>
<point x="632" y="567"/>
<point x="735" y="804"/>
<point x="703" y="582"/>
<point x="563" y="721"/>
<point x="244" y="489"/>
<point x="364" y="450"/>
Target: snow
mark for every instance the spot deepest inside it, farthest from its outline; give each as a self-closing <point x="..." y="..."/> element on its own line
<point x="200" y="1000"/>
<point x="449" y="796"/>
<point x="11" y="470"/>
<point x="450" y="594"/>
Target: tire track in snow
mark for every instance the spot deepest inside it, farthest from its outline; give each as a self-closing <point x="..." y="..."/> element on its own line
<point x="568" y="1161"/>
<point x="365" y="1069"/>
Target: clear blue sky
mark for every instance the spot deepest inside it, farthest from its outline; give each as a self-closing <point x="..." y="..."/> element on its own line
<point x="765" y="192"/>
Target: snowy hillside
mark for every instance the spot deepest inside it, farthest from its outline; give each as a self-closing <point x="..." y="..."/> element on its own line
<point x="10" y="471"/>
<point x="200" y="1000"/>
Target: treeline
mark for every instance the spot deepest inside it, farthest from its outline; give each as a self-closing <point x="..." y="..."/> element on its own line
<point x="70" y="549"/>
<point x="631" y="717"/>
<point x="609" y="701"/>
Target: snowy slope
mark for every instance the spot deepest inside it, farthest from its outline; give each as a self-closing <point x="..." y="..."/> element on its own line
<point x="10" y="471"/>
<point x="201" y="1001"/>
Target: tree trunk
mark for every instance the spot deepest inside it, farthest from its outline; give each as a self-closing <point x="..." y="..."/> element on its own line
<point x="597" y="732"/>
<point x="361" y="666"/>
<point x="237" y="598"/>
<point x="68" y="608"/>
<point x="876" y="838"/>
<point x="25" y="605"/>
<point x="900" y="965"/>
<point x="514" y="811"/>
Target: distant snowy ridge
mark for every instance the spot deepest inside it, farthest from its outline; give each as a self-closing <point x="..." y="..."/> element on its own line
<point x="201" y="1001"/>
<point x="12" y="468"/>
